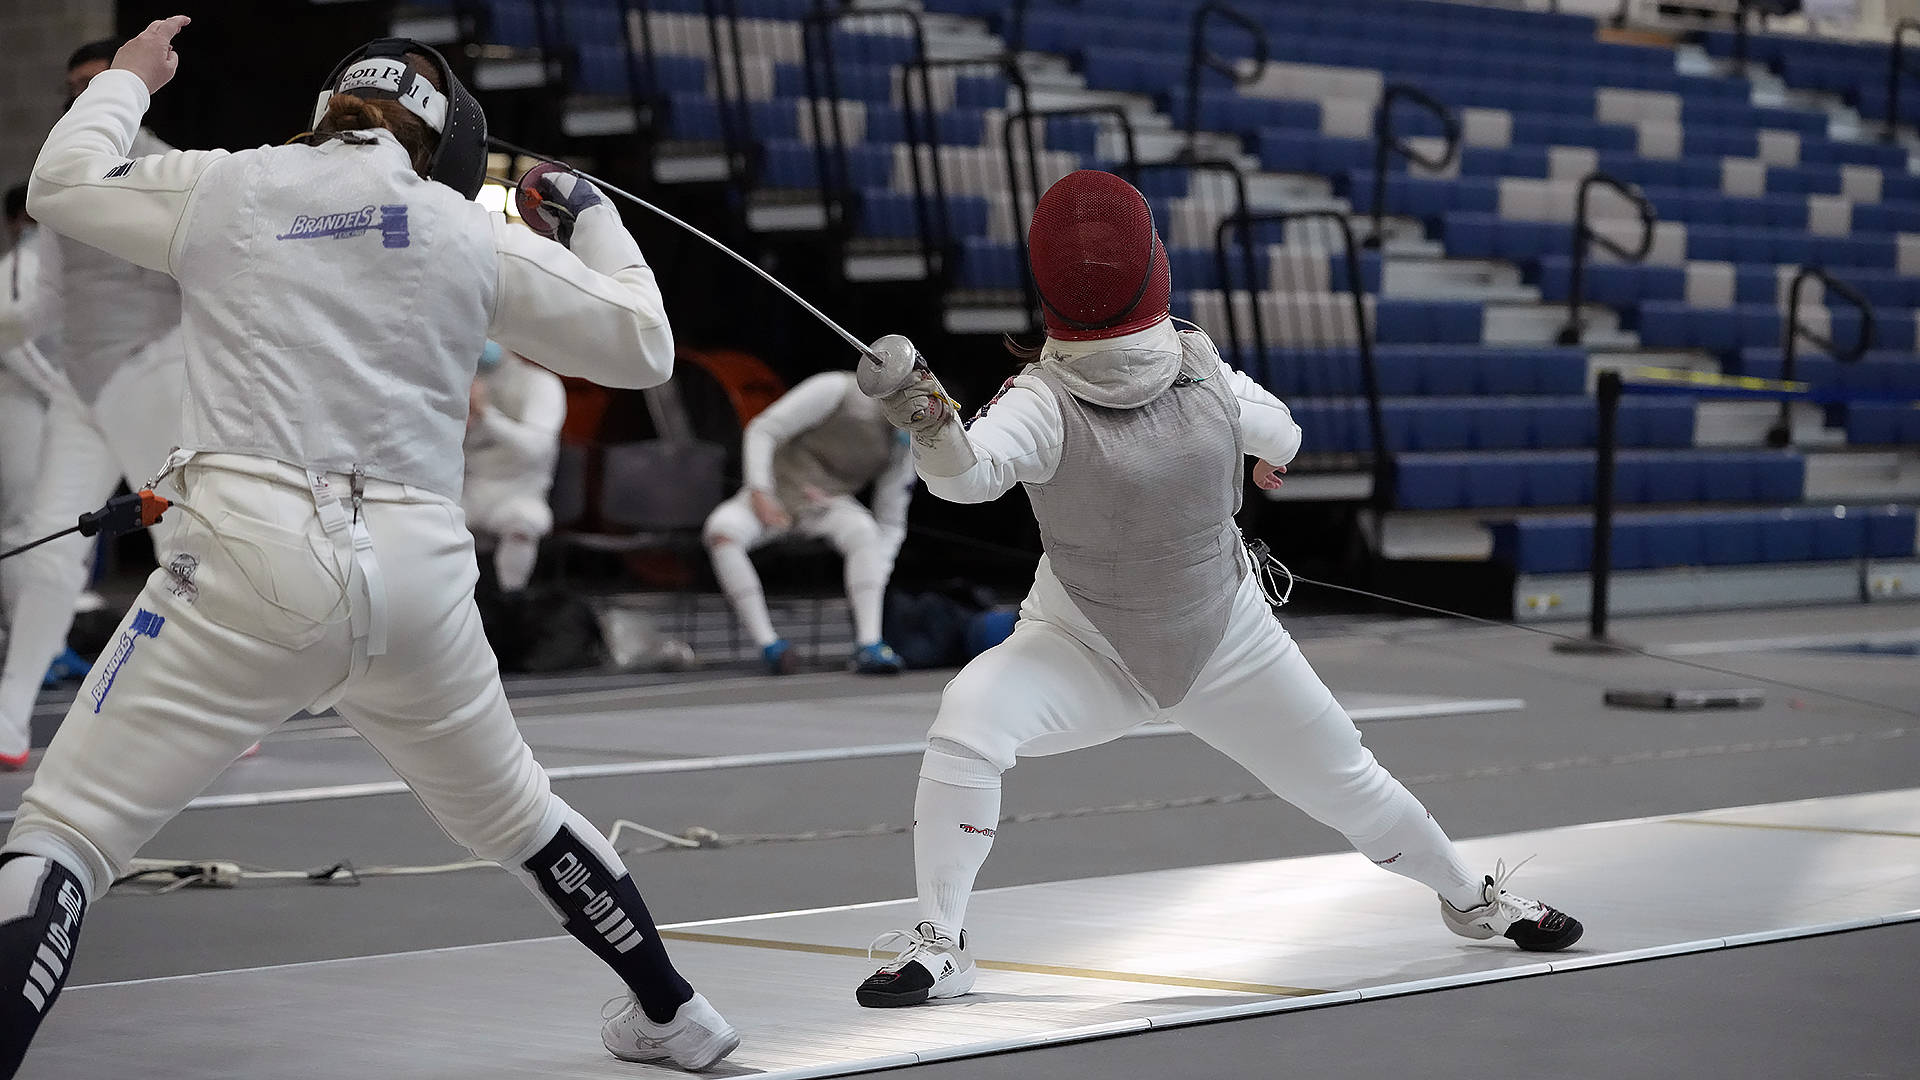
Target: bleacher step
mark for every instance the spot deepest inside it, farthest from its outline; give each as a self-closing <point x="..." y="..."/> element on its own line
<point x="1455" y="279"/>
<point x="1746" y="423"/>
<point x="1540" y="324"/>
<point x="1626" y="361"/>
<point x="509" y="73"/>
<point x="426" y="25"/>
<point x="590" y="118"/>
<point x="1869" y="475"/>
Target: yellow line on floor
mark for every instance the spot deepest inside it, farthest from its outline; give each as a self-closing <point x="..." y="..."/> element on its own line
<point x="1794" y="828"/>
<point x="1004" y="965"/>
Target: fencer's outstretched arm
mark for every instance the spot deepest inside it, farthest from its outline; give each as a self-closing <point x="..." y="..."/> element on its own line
<point x="808" y="405"/>
<point x="84" y="185"/>
<point x="1015" y="439"/>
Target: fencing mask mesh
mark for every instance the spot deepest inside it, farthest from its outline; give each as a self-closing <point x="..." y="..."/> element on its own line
<point x="1097" y="260"/>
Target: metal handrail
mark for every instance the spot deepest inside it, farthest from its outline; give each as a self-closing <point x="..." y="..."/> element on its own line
<point x="1024" y="117"/>
<point x="1382" y="464"/>
<point x="642" y="94"/>
<point x="736" y="113"/>
<point x="1200" y="58"/>
<point x="1386" y="142"/>
<point x="1583" y="235"/>
<point x="1896" y="56"/>
<point x="1781" y="433"/>
<point x="830" y="155"/>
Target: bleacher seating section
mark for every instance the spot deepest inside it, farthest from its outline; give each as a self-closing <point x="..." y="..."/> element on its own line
<point x="1745" y="194"/>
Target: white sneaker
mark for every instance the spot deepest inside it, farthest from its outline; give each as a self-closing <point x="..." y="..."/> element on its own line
<point x="932" y="965"/>
<point x="694" y="1039"/>
<point x="1529" y="924"/>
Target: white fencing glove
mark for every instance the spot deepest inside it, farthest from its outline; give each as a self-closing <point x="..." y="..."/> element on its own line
<point x="913" y="400"/>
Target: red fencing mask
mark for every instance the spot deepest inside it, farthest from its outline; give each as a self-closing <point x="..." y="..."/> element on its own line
<point x="1097" y="260"/>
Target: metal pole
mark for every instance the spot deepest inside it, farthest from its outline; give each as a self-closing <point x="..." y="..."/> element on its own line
<point x="1607" y="401"/>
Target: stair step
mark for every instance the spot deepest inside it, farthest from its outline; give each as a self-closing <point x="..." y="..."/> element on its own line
<point x="1856" y="475"/>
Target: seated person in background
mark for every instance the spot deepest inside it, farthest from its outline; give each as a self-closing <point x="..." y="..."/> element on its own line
<point x="804" y="458"/>
<point x="513" y="440"/>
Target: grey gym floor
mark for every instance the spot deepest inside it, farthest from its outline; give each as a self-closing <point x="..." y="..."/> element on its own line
<point x="1833" y="1006"/>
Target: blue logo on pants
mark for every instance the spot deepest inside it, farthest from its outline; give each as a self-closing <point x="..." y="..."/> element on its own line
<point x="145" y="624"/>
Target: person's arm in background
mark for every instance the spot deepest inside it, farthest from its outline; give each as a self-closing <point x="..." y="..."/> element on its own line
<point x="534" y="434"/>
<point x="799" y="410"/>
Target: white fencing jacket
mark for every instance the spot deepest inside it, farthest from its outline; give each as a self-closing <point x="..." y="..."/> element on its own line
<point x="335" y="303"/>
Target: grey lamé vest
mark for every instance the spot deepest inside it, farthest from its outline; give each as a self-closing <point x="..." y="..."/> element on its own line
<point x="1137" y="520"/>
<point x="336" y="308"/>
<point x="839" y="457"/>
<point x="111" y="309"/>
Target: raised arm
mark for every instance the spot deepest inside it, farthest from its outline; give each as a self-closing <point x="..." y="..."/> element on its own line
<point x="594" y="311"/>
<point x="85" y="186"/>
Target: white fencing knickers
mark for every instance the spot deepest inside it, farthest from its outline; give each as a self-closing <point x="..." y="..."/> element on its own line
<point x="1056" y="685"/>
<point x="203" y="667"/>
<point x="85" y="451"/>
<point x="843" y="521"/>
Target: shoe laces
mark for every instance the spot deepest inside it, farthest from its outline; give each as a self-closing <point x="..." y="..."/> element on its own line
<point x="1514" y="907"/>
<point x="615" y="1006"/>
<point x="918" y="940"/>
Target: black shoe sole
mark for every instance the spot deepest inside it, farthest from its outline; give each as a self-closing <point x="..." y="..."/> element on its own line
<point x="1578" y="930"/>
<point x="876" y="1000"/>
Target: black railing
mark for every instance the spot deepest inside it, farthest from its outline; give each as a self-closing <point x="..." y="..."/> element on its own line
<point x="820" y="69"/>
<point x="1380" y="464"/>
<point x="1740" y="9"/>
<point x="1584" y="235"/>
<point x="1387" y="143"/>
<point x="643" y="66"/>
<point x="734" y="104"/>
<point x="1024" y="191"/>
<point x="1781" y="433"/>
<point x="1896" y="71"/>
<point x="1016" y="31"/>
<point x="1201" y="59"/>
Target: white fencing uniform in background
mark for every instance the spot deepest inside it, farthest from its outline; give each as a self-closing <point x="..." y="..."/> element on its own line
<point x="813" y="450"/>
<point x="28" y="380"/>
<point x="120" y="351"/>
<point x="336" y="306"/>
<point x="511" y="446"/>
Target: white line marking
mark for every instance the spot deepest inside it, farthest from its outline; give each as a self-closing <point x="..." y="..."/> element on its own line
<point x="665" y="766"/>
<point x="1774" y="644"/>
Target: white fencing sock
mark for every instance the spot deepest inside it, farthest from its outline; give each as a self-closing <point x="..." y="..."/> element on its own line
<point x="513" y="560"/>
<point x="867" y="569"/>
<point x="956" y="812"/>
<point x="1415" y="846"/>
<point x="742" y="585"/>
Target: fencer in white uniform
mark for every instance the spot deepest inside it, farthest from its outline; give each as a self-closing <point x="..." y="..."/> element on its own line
<point x="804" y="458"/>
<point x="28" y="378"/>
<point x="120" y="352"/>
<point x="337" y="301"/>
<point x="513" y="442"/>
<point x="1129" y="437"/>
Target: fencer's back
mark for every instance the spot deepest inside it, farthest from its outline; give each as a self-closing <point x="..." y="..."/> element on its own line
<point x="843" y="454"/>
<point x="336" y="305"/>
<point x="110" y="308"/>
<point x="1137" y="519"/>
